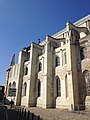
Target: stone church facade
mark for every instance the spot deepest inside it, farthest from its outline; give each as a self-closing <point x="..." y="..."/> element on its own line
<point x="55" y="72"/>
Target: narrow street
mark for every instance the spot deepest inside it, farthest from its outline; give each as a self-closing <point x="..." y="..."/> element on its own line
<point x="10" y="114"/>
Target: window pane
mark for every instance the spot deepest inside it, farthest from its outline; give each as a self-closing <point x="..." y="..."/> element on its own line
<point x="57" y="61"/>
<point x="58" y="87"/>
<point x="40" y="66"/>
<point x="39" y="88"/>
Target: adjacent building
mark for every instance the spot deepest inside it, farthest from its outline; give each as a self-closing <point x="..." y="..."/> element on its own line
<point x="1" y="93"/>
<point x="55" y="72"/>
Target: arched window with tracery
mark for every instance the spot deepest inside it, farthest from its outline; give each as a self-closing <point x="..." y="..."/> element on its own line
<point x="58" y="87"/>
<point x="86" y="74"/>
<point x="40" y="67"/>
<point x="39" y="88"/>
<point x="57" y="61"/>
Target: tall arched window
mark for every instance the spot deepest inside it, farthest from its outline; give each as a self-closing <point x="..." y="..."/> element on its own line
<point x="9" y="89"/>
<point x="14" y="89"/>
<point x="57" y="61"/>
<point x="24" y="89"/>
<point x="86" y="74"/>
<point x="14" y="85"/>
<point x="39" y="88"/>
<point x="25" y="70"/>
<point x="40" y="67"/>
<point x="64" y="58"/>
<point x="66" y="85"/>
<point x="58" y="87"/>
<point x="82" y="49"/>
<point x="10" y="85"/>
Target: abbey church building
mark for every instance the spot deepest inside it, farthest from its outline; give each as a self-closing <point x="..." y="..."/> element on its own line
<point x="55" y="72"/>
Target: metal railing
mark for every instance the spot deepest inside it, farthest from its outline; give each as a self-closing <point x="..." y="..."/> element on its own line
<point x="28" y="115"/>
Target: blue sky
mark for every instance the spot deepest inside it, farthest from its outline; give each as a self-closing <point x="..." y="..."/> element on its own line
<point x="24" y="21"/>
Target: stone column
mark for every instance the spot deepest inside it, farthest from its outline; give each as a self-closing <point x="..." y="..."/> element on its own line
<point x="20" y="78"/>
<point x="72" y="61"/>
<point x="48" y="82"/>
<point x="6" y="85"/>
<point x="32" y="97"/>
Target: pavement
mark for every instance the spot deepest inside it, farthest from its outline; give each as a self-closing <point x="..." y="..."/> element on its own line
<point x="7" y="113"/>
<point x="59" y="114"/>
